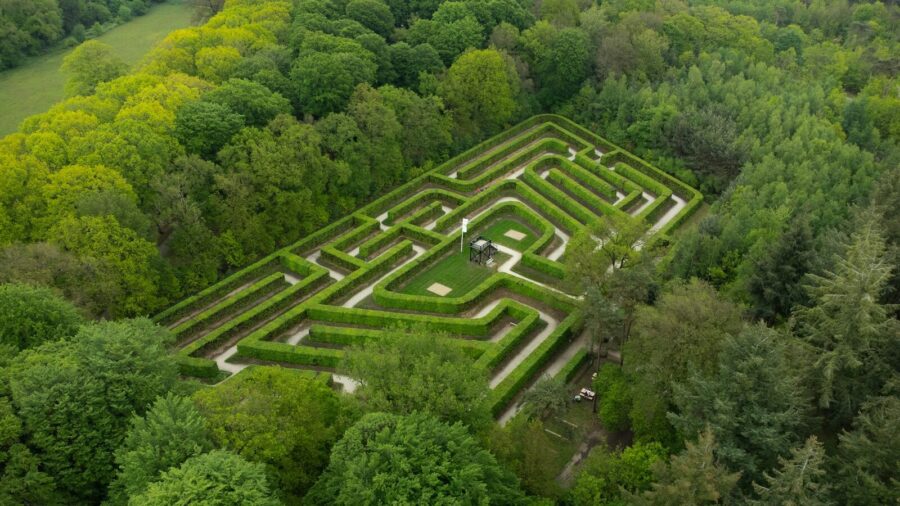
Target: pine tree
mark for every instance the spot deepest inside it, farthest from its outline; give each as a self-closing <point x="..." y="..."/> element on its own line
<point x="693" y="477"/>
<point x="753" y="403"/>
<point x="799" y="480"/>
<point x="854" y="336"/>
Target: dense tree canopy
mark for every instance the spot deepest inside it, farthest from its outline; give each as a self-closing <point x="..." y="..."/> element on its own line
<point x="278" y="417"/>
<point x="247" y="132"/>
<point x="30" y="316"/>
<point x="418" y="371"/>
<point x="371" y="465"/>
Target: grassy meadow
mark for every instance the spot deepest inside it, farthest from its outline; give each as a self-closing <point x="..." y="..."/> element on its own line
<point x="37" y="84"/>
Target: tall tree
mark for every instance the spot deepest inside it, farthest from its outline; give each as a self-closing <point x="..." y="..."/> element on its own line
<point x="854" y="336"/>
<point x="680" y="335"/>
<point x="413" y="459"/>
<point x="799" y="480"/>
<point x="417" y="370"/>
<point x="753" y="403"/>
<point x="693" y="477"/>
<point x="217" y="478"/>
<point x="171" y="432"/>
<point x="75" y="398"/>
<point x="867" y="456"/>
<point x="606" y="475"/>
<point x="30" y="316"/>
<point x="776" y="285"/>
<point x="90" y="64"/>
<point x="278" y="417"/>
<point x="480" y="90"/>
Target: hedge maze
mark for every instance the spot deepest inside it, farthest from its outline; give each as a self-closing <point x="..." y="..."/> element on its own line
<point x="528" y="189"/>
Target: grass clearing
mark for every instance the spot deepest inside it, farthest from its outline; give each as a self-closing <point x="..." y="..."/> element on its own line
<point x="495" y="232"/>
<point x="455" y="272"/>
<point x="37" y="84"/>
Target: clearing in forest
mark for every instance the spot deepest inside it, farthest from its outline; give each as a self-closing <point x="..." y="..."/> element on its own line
<point x="528" y="190"/>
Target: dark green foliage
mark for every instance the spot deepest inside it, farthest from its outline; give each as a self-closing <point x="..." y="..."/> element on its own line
<point x="852" y="334"/>
<point x="256" y="103"/>
<point x="867" y="455"/>
<point x="412" y="459"/>
<point x="217" y="478"/>
<point x="802" y="479"/>
<point x="30" y="316"/>
<point x="678" y="337"/>
<point x="753" y="403"/>
<point x="606" y="474"/>
<point x="692" y="477"/>
<point x="280" y="418"/>
<point x="75" y="398"/>
<point x="775" y="285"/>
<point x="204" y="127"/>
<point x="171" y="432"/>
<point x="373" y="14"/>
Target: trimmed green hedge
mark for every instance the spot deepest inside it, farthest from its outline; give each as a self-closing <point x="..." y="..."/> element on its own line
<point x="350" y="336"/>
<point x="524" y="373"/>
<point x="230" y="305"/>
<point x="573" y="366"/>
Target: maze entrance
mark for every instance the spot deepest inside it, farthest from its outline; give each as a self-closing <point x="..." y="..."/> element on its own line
<point x="398" y="261"/>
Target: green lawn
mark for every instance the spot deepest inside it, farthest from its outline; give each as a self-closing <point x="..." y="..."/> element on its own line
<point x="496" y="229"/>
<point x="38" y="84"/>
<point x="455" y="272"/>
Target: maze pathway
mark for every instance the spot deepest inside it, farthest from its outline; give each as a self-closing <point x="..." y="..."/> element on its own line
<point x="359" y="278"/>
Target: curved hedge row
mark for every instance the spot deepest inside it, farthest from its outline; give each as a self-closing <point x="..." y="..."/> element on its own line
<point x="499" y="177"/>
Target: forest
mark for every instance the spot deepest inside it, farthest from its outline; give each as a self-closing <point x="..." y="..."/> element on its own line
<point x="751" y="357"/>
<point x="31" y="27"/>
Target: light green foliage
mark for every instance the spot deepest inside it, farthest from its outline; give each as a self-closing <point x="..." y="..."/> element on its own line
<point x="754" y="402"/>
<point x="692" y="477"/>
<point x="480" y="90"/>
<point x="867" y="455"/>
<point x="90" y="64"/>
<point x="75" y="398"/>
<point x="853" y="335"/>
<point x="277" y="417"/>
<point x="613" y="397"/>
<point x="171" y="432"/>
<point x="128" y="263"/>
<point x="30" y="316"/>
<point x="371" y="465"/>
<point x="416" y="371"/>
<point x="217" y="478"/>
<point x="606" y="474"/>
<point x="799" y="480"/>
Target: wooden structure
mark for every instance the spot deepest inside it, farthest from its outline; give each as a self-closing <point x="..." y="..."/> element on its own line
<point x="481" y="250"/>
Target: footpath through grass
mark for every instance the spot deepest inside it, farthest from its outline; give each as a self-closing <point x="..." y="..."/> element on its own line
<point x="37" y="84"/>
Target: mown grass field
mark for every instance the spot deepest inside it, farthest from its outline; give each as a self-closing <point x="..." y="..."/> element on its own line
<point x="496" y="230"/>
<point x="37" y="84"/>
<point x="455" y="272"/>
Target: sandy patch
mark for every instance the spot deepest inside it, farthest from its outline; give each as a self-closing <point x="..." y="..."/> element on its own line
<point x="439" y="289"/>
<point x="515" y="235"/>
